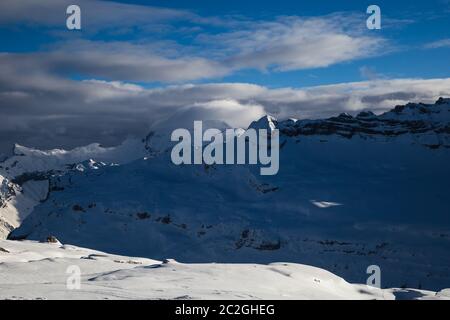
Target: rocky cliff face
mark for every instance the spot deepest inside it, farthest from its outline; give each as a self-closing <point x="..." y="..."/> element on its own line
<point x="7" y="192"/>
<point x="428" y="124"/>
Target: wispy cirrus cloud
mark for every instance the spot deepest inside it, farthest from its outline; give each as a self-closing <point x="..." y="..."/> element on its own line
<point x="443" y="43"/>
<point x="295" y="43"/>
<point x="370" y="73"/>
<point x="282" y="44"/>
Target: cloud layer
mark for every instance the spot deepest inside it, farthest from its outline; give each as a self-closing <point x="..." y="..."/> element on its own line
<point x="54" y="112"/>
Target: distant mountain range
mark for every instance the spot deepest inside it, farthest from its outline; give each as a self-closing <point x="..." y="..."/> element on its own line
<point x="352" y="191"/>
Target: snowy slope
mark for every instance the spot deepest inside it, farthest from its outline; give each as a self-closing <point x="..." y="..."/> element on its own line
<point x="30" y="270"/>
<point x="351" y="192"/>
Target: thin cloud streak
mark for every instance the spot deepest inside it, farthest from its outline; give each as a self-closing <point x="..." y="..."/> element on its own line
<point x="443" y="43"/>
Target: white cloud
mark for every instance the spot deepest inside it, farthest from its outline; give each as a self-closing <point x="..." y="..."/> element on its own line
<point x="116" y="61"/>
<point x="294" y="43"/>
<point x="370" y="73"/>
<point x="231" y="111"/>
<point x="438" y="44"/>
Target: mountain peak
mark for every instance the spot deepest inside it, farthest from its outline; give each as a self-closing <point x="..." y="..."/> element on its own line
<point x="366" y="114"/>
<point x="442" y="100"/>
<point x="266" y="122"/>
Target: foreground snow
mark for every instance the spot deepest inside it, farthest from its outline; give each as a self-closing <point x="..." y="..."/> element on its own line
<point x="31" y="270"/>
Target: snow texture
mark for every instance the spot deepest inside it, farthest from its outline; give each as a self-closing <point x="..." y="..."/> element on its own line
<point x="30" y="270"/>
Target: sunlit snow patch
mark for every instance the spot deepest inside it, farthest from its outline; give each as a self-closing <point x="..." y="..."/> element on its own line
<point x="325" y="204"/>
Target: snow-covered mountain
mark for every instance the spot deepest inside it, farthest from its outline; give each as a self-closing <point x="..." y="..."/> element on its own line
<point x="24" y="177"/>
<point x="424" y="124"/>
<point x="351" y="192"/>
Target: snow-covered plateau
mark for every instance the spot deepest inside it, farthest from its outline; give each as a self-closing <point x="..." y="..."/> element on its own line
<point x="351" y="191"/>
<point x="31" y="270"/>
